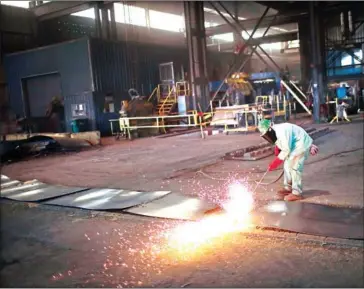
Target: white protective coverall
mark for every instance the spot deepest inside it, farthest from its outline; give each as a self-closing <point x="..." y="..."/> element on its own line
<point x="294" y="143"/>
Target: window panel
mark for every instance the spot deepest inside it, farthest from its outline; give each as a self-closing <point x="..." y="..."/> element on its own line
<point x="166" y="21"/>
<point x="274" y="46"/>
<point x="346" y="60"/>
<point x="358" y="54"/>
<point x="89" y="13"/>
<point x="130" y="14"/>
<point x="22" y="4"/>
<point x="228" y="37"/>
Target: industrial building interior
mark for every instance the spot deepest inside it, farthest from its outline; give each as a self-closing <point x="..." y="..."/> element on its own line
<point x="162" y="143"/>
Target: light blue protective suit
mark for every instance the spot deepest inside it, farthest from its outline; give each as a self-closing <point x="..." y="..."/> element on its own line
<point x="294" y="143"/>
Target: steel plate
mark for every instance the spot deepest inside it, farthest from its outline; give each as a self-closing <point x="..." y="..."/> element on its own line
<point x="4" y="178"/>
<point x="6" y="182"/>
<point x="35" y="191"/>
<point x="312" y="219"/>
<point x="9" y="183"/>
<point x="106" y="199"/>
<point x="174" y="206"/>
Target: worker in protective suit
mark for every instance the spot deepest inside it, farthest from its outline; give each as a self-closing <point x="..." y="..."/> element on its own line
<point x="292" y="147"/>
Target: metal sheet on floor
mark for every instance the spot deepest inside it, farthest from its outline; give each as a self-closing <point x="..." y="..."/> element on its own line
<point x="9" y="183"/>
<point x="313" y="219"/>
<point x="6" y="182"/>
<point x="35" y="191"/>
<point x="174" y="206"/>
<point x="4" y="178"/>
<point x="107" y="199"/>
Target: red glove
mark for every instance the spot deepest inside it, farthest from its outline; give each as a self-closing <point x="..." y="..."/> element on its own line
<point x="276" y="151"/>
<point x="275" y="164"/>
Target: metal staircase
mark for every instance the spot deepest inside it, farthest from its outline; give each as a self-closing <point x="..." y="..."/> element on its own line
<point x="167" y="101"/>
<point x="165" y="97"/>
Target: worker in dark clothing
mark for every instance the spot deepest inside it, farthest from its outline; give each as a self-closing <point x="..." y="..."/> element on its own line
<point x="55" y="113"/>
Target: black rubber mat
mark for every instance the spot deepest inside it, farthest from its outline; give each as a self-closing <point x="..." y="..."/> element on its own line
<point x="313" y="219"/>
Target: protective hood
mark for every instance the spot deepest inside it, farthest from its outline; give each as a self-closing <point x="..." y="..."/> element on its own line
<point x="270" y="136"/>
<point x="263" y="126"/>
<point x="266" y="131"/>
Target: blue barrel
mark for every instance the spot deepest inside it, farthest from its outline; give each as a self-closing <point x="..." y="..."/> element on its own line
<point x="79" y="125"/>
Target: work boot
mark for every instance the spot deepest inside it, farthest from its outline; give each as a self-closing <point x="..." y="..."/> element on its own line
<point x="293" y="197"/>
<point x="282" y="193"/>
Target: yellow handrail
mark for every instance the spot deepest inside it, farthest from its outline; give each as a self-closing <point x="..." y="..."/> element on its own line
<point x="164" y="102"/>
<point x="179" y="90"/>
<point x="152" y="94"/>
<point x="263" y="97"/>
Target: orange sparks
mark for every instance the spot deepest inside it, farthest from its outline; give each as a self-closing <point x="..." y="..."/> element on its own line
<point x="190" y="237"/>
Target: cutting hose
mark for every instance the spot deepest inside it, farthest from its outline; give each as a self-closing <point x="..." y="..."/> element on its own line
<point x="281" y="174"/>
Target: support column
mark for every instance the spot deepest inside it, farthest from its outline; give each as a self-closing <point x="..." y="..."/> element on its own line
<point x="237" y="38"/>
<point x="316" y="60"/>
<point x="97" y="21"/>
<point x="321" y="55"/>
<point x="304" y="37"/>
<point x="196" y="42"/>
<point x="113" y="30"/>
<point x="105" y="26"/>
<point x="147" y="17"/>
<point x="105" y="23"/>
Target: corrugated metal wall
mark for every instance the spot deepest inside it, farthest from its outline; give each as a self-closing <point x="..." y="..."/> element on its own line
<point x="119" y="66"/>
<point x="85" y="98"/>
<point x="65" y="28"/>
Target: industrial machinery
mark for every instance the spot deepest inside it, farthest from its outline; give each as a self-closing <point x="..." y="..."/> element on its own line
<point x="235" y="90"/>
<point x="271" y="101"/>
<point x="240" y="90"/>
<point x="265" y="83"/>
<point x="137" y="106"/>
<point x="167" y="107"/>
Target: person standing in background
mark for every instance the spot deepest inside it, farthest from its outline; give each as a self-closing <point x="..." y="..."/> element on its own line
<point x="55" y="113"/>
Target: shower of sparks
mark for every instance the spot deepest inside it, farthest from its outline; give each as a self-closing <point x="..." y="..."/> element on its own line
<point x="188" y="238"/>
<point x="134" y="255"/>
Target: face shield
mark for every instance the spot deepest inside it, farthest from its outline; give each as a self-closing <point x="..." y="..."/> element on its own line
<point x="270" y="136"/>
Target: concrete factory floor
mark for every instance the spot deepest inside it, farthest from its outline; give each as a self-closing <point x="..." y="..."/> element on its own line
<point x="47" y="246"/>
<point x="174" y="164"/>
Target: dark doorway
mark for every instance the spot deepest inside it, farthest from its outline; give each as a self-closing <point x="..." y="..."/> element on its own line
<point x="38" y="93"/>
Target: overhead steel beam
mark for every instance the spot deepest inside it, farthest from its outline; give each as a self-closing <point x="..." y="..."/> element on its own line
<point x="283" y="19"/>
<point x="233" y="67"/>
<point x="283" y="37"/>
<point x="242" y="65"/>
<point x="244" y="29"/>
<point x="251" y="23"/>
<point x="265" y="53"/>
<point x="55" y="9"/>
